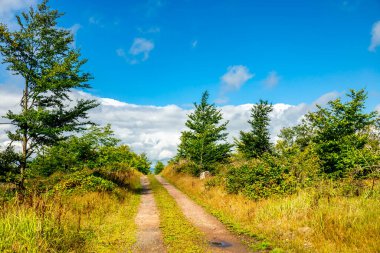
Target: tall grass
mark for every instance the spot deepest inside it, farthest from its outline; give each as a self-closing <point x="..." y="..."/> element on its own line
<point x="313" y="220"/>
<point x="89" y="222"/>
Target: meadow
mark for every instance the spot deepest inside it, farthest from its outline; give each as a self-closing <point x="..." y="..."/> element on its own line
<point x="315" y="219"/>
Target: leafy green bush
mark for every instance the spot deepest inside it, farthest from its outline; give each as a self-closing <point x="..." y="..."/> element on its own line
<point x="186" y="166"/>
<point x="83" y="181"/>
<point x="158" y="167"/>
<point x="260" y="181"/>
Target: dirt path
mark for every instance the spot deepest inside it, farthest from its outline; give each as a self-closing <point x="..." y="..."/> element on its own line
<point x="221" y="240"/>
<point x="149" y="238"/>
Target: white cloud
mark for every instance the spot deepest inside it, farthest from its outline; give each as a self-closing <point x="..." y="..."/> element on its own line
<point x="272" y="79"/>
<point x="378" y="108"/>
<point x="8" y="9"/>
<point x="375" y="39"/>
<point x="138" y="52"/>
<point x="235" y="77"/>
<point x="74" y="30"/>
<point x="141" y="46"/>
<point x="155" y="130"/>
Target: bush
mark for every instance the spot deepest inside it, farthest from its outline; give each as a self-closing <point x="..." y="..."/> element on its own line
<point x="186" y="166"/>
<point x="82" y="181"/>
<point x="260" y="181"/>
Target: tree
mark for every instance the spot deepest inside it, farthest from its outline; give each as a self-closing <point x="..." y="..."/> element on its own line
<point x="256" y="142"/>
<point x="295" y="139"/>
<point x="205" y="141"/>
<point x="142" y="163"/>
<point x="43" y="55"/>
<point x="159" y="167"/>
<point x="96" y="147"/>
<point x="341" y="130"/>
<point x="8" y="164"/>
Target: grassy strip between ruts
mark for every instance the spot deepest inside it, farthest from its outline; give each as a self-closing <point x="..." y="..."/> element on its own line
<point x="179" y="235"/>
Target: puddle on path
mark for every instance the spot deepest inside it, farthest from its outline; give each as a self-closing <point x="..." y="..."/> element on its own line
<point x="220" y="244"/>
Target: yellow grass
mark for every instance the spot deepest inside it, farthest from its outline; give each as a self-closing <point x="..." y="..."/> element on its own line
<point x="91" y="222"/>
<point x="304" y="222"/>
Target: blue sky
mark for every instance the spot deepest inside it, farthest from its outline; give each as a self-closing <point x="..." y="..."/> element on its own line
<point x="308" y="47"/>
<point x="152" y="58"/>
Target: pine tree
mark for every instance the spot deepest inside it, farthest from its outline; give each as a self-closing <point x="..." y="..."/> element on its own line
<point x="342" y="132"/>
<point x="43" y="55"/>
<point x="256" y="142"/>
<point x="205" y="141"/>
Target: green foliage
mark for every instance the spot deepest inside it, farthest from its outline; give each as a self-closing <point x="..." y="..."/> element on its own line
<point x="8" y="164"/>
<point x="341" y="131"/>
<point x="83" y="181"/>
<point x="159" y="167"/>
<point x="294" y="139"/>
<point x="96" y="148"/>
<point x="260" y="180"/>
<point x="255" y="143"/>
<point x="43" y="55"/>
<point x="142" y="163"/>
<point x="205" y="141"/>
<point x="273" y="175"/>
<point x="76" y="152"/>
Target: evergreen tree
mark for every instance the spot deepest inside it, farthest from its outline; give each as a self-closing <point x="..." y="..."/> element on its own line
<point x="341" y="130"/>
<point x="257" y="141"/>
<point x="43" y="55"/>
<point x="205" y="141"/>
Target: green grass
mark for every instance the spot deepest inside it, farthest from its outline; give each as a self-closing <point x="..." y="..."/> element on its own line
<point x="86" y="222"/>
<point x="179" y="234"/>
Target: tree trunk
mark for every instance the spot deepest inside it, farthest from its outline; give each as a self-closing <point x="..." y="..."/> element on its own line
<point x="24" y="139"/>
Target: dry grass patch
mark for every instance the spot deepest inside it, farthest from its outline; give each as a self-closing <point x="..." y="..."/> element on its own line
<point x="85" y="222"/>
<point x="303" y="222"/>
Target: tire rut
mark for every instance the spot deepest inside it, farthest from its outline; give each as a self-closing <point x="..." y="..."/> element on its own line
<point x="220" y="239"/>
<point x="149" y="237"/>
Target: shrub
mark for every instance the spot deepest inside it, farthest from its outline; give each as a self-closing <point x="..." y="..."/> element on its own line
<point x="82" y="181"/>
<point x="260" y="181"/>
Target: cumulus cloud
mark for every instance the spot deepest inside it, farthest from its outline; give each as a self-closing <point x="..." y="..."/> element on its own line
<point x="156" y="130"/>
<point x="272" y="79"/>
<point x="141" y="46"/>
<point x="378" y="108"/>
<point x="8" y="8"/>
<point x="138" y="52"/>
<point x="375" y="39"/>
<point x="236" y="76"/>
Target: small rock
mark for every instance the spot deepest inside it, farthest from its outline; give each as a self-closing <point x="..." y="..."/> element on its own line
<point x="204" y="175"/>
